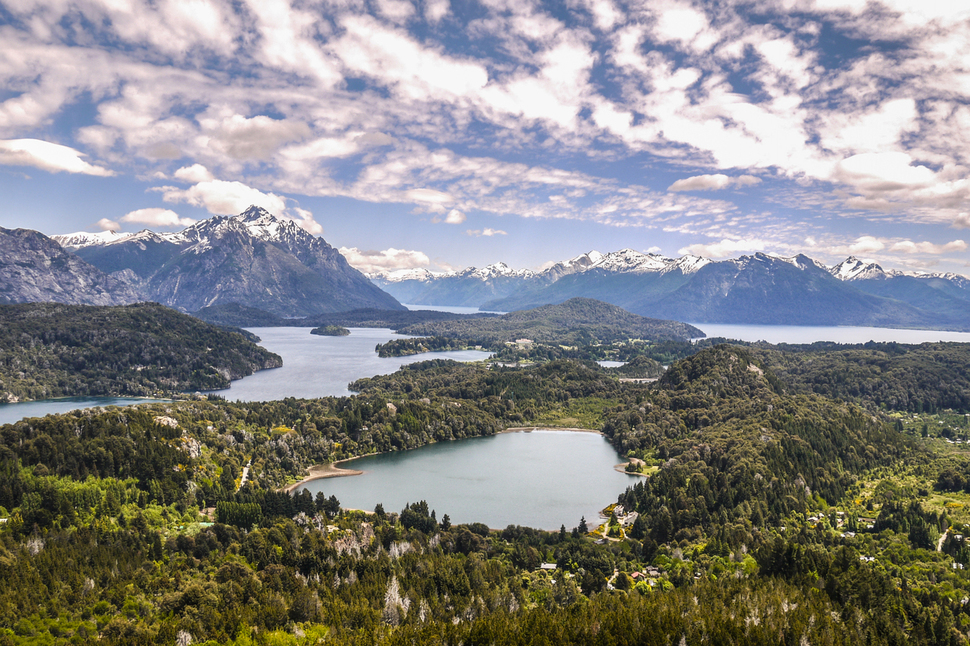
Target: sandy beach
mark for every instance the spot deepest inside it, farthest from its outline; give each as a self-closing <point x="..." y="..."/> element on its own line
<point x="321" y="471"/>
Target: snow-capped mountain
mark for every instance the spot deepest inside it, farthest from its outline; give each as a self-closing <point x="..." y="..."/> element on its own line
<point x="854" y="269"/>
<point x="757" y="288"/>
<point x="253" y="258"/>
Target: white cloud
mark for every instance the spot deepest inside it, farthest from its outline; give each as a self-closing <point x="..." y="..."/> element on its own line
<point x="306" y="220"/>
<point x="712" y="182"/>
<point x="104" y="224"/>
<point x="724" y="248"/>
<point x="908" y="246"/>
<point x="962" y="221"/>
<point x="866" y="244"/>
<point x="428" y="196"/>
<point x="436" y="10"/>
<point x="654" y="250"/>
<point x="253" y="138"/>
<point x="478" y="233"/>
<point x="47" y="156"/>
<point x="224" y="198"/>
<point x="400" y="62"/>
<point x="455" y="217"/>
<point x="157" y="217"/>
<point x="194" y="174"/>
<point x="883" y="172"/>
<point x="371" y="262"/>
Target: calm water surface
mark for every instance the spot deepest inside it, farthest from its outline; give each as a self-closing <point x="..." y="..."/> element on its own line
<point x="319" y="366"/>
<point x="10" y="413"/>
<point x="811" y="334"/>
<point x="451" y="309"/>
<point x="540" y="479"/>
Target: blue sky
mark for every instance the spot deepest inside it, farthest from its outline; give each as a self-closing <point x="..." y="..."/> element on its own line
<point x="447" y="133"/>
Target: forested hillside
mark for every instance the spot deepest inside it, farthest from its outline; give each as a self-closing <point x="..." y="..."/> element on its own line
<point x="50" y="350"/>
<point x="578" y="321"/>
<point x="774" y="516"/>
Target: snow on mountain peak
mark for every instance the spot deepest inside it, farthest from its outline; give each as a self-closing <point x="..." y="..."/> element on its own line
<point x="854" y="269"/>
<point x="498" y="270"/>
<point x="690" y="264"/>
<point x="630" y="261"/>
<point x="85" y="239"/>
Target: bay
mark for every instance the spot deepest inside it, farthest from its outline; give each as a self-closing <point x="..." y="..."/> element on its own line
<point x="321" y="366"/>
<point x="10" y="413"/>
<point x="542" y="479"/>
<point x="810" y="334"/>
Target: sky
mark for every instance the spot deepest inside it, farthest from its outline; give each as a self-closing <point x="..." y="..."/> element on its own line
<point x="451" y="133"/>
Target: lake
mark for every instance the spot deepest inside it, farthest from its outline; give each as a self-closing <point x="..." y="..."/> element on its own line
<point x="540" y="479"/>
<point x="811" y="334"/>
<point x="319" y="366"/>
<point x="10" y="413"/>
<point x="313" y="366"/>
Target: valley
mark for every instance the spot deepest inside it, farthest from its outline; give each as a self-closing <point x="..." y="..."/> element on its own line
<point x="774" y="477"/>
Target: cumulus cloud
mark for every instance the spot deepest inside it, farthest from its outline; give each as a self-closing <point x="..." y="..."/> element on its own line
<point x="723" y="249"/>
<point x="478" y="233"/>
<point x="194" y="174"/>
<point x="48" y="156"/>
<point x="157" y="217"/>
<point x="224" y="198"/>
<point x="866" y="244"/>
<point x="104" y="224"/>
<point x="372" y="262"/>
<point x="962" y="221"/>
<point x="712" y="182"/>
<point x="305" y="219"/>
<point x="455" y="217"/>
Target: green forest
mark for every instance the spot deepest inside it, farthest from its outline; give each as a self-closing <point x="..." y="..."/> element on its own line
<point x="785" y="502"/>
<point x="50" y="350"/>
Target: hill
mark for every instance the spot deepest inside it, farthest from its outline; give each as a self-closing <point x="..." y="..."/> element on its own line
<point x="578" y="321"/>
<point x="773" y="516"/>
<point x="49" y="350"/>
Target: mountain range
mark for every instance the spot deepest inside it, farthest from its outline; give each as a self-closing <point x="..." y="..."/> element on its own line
<point x="257" y="260"/>
<point x="756" y="289"/>
<point x="253" y="258"/>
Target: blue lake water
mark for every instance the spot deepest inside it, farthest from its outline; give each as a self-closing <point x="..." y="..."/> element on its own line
<point x="10" y="413"/>
<point x="541" y="479"/>
<point x="811" y="334"/>
<point x="319" y="366"/>
<point x="451" y="309"/>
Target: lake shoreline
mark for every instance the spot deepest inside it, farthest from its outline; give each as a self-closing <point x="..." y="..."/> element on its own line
<point x="334" y="470"/>
<point x="529" y="429"/>
<point x="322" y="472"/>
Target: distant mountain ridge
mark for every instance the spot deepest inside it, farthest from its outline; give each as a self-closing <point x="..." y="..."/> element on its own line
<point x="756" y="289"/>
<point x="253" y="258"/>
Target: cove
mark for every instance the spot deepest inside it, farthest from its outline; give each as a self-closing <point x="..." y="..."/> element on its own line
<point x="322" y="366"/>
<point x="541" y="478"/>
<point x="10" y="413"/>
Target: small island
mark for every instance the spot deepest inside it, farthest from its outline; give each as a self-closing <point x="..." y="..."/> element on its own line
<point x="330" y="330"/>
